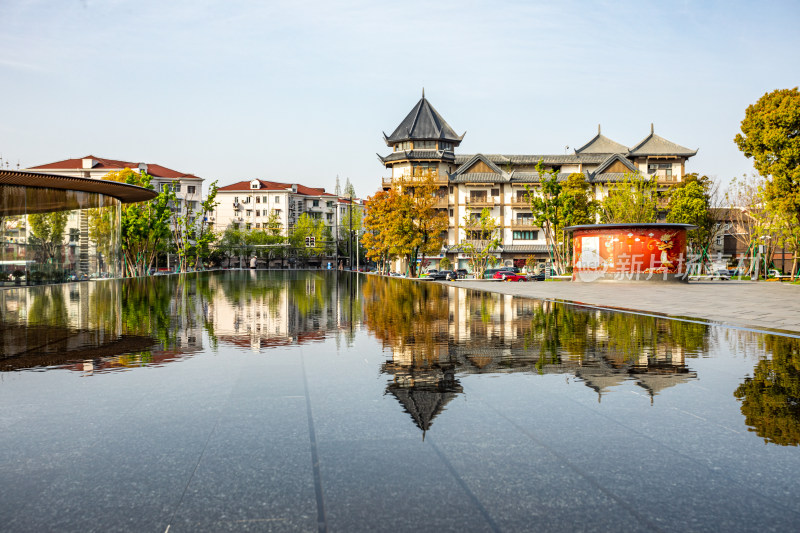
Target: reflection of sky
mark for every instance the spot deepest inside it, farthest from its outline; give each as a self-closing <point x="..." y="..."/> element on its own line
<point x="225" y="438"/>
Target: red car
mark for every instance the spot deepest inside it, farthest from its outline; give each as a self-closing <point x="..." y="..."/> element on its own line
<point x="510" y="276"/>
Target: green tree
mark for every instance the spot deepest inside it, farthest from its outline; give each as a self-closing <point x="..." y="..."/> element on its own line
<point x="771" y="136"/>
<point x="47" y="234"/>
<point x="632" y="201"/>
<point x="558" y="204"/>
<point x="482" y="241"/>
<point x="689" y="204"/>
<point x="145" y="226"/>
<point x="308" y="228"/>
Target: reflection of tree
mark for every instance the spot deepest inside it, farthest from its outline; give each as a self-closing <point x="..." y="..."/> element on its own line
<point x="47" y="234"/>
<point x="48" y="308"/>
<point x="771" y="398"/>
<point x="405" y="314"/>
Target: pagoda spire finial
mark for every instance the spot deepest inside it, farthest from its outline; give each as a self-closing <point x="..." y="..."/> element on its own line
<point x="652" y="129"/>
<point x="598" y="129"/>
<point x="423" y="92"/>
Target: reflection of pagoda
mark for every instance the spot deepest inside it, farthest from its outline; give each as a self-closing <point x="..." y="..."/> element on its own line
<point x="422" y="390"/>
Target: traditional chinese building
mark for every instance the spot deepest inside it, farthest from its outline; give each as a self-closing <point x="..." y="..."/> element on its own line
<point x="425" y="142"/>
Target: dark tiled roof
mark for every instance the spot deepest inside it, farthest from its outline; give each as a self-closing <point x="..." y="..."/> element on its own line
<point x="656" y="145"/>
<point x="600" y="144"/>
<point x="520" y="248"/>
<point x="479" y="177"/>
<point x="423" y="122"/>
<point x="612" y="159"/>
<point x="532" y="159"/>
<point x="418" y="155"/>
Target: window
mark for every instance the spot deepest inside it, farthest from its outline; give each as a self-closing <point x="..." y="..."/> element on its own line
<point x="277" y="199"/>
<point x="177" y="187"/>
<point x="192" y="205"/>
<point x="315" y="216"/>
<point x="254" y="185"/>
<point x="424" y="145"/>
<point x="247" y="226"/>
<point x="276" y="212"/>
<point x="258" y="213"/>
<point x="719" y="240"/>
<point x="495" y="192"/>
<point x="477" y="196"/>
<point x="258" y="199"/>
<point x="190" y="189"/>
<point x="315" y="203"/>
<point x="258" y="225"/>
<point x="247" y="199"/>
<point x="236" y="199"/>
<point x="661" y="170"/>
<point x="329" y="216"/>
<point x="522" y="196"/>
<point x="248" y="212"/>
<point x="525" y="235"/>
<point x="402" y="146"/>
<point x="74" y="234"/>
<point x="451" y="212"/>
<point x="165" y="186"/>
<point x="329" y="204"/>
<point x="445" y="146"/>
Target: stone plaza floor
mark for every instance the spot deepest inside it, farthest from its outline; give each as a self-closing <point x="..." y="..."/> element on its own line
<point x="757" y="305"/>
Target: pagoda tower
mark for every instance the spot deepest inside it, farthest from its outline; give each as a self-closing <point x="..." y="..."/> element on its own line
<point x="423" y="142"/>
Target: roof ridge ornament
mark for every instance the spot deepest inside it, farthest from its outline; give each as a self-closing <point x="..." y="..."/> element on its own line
<point x="423" y="92"/>
<point x="652" y="129"/>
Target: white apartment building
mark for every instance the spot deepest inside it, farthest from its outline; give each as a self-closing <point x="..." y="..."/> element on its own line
<point x="424" y="141"/>
<point x="250" y="204"/>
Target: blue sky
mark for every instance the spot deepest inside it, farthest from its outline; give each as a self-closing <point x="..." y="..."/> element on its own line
<point x="301" y="91"/>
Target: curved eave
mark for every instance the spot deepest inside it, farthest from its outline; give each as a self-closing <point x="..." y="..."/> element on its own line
<point x="124" y="192"/>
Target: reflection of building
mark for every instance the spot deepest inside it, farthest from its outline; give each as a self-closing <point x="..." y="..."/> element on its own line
<point x="107" y="324"/>
<point x="263" y="309"/>
<point x="484" y="333"/>
<point x="425" y="142"/>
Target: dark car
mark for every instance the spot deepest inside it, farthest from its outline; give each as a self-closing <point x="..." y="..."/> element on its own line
<point x="462" y="273"/>
<point x="490" y="272"/>
<point x="443" y="275"/>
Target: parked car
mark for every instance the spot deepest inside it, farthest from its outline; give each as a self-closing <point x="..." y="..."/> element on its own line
<point x="536" y="277"/>
<point x="721" y="274"/>
<point x="489" y="272"/>
<point x="440" y="275"/>
<point x="462" y="273"/>
<point x="507" y="275"/>
<point x="773" y="273"/>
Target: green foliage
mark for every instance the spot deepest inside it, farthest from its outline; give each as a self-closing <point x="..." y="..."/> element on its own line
<point x="557" y="205"/>
<point x="445" y="264"/>
<point x="771" y="136"/>
<point x="690" y="204"/>
<point x="309" y="227"/>
<point x="47" y="234"/>
<point x="632" y="201"/>
<point x="770" y="398"/>
<point x="482" y="241"/>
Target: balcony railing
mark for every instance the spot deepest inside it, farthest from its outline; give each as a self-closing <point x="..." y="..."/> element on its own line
<point x="520" y="202"/>
<point x="480" y="202"/>
<point x="522" y="223"/>
<point x="442" y="203"/>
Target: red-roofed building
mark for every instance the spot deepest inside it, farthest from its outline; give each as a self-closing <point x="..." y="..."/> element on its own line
<point x="188" y="187"/>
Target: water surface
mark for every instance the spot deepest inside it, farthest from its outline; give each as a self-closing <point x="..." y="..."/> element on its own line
<point x="286" y="401"/>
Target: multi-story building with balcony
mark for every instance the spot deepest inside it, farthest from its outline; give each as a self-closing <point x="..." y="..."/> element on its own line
<point x="252" y="204"/>
<point x="425" y="143"/>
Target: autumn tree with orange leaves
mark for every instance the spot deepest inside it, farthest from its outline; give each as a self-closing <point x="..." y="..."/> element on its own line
<point x="405" y="222"/>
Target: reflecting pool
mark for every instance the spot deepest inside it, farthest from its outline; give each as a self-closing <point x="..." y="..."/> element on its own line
<point x="303" y="401"/>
